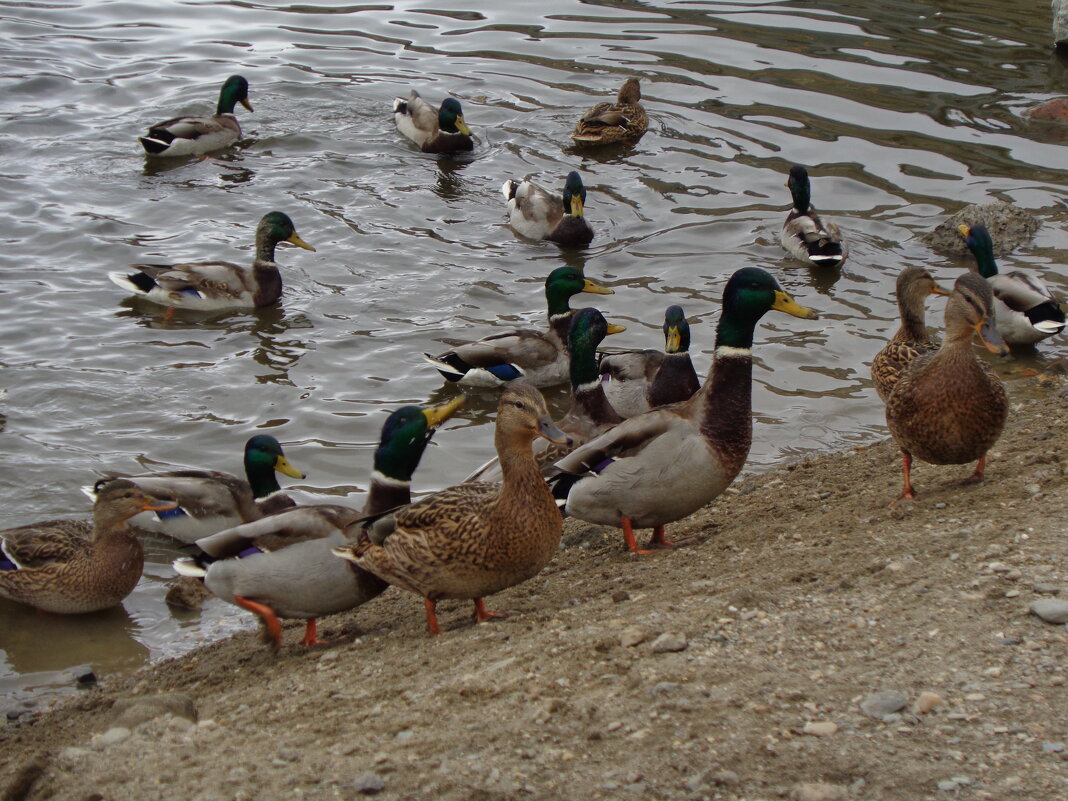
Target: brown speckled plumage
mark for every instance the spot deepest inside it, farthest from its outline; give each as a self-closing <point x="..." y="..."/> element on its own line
<point x="914" y="284"/>
<point x="948" y="407"/>
<point x="71" y="566"/>
<point x="475" y="539"/>
<point x="621" y="122"/>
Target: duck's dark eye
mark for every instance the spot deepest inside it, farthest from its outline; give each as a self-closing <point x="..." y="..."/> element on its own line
<point x="519" y="405"/>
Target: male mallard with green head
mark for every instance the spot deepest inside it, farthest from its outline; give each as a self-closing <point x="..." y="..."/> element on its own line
<point x="805" y="235"/>
<point x="539" y="357"/>
<point x="660" y="466"/>
<point x="217" y="285"/>
<point x="283" y="566"/>
<point x="71" y="566"/>
<point x="948" y="407"/>
<point x="537" y="213"/>
<point x="621" y="122"/>
<point x="188" y="136"/>
<point x="914" y="286"/>
<point x="441" y="131"/>
<point x="210" y="500"/>
<point x="636" y="381"/>
<point x="475" y="539"/>
<point x="1025" y="309"/>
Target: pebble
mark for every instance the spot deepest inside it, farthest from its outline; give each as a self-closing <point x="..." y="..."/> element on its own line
<point x="369" y="784"/>
<point x="818" y="791"/>
<point x="670" y="641"/>
<point x="132" y="712"/>
<point x="619" y="596"/>
<point x="724" y="778"/>
<point x="927" y="702"/>
<point x="885" y="702"/>
<point x="84" y="676"/>
<point x="635" y="635"/>
<point x="1052" y="610"/>
<point x="404" y="736"/>
<point x="1046" y="589"/>
<point x="1053" y="748"/>
<point x="112" y="736"/>
<point x="820" y="728"/>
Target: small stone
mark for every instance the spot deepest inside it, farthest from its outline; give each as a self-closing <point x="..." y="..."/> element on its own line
<point x="632" y="636"/>
<point x="927" y="702"/>
<point x="132" y="712"/>
<point x="112" y="736"/>
<point x="820" y="728"/>
<point x="886" y="702"/>
<point x="1033" y="489"/>
<point x="619" y="596"/>
<point x="404" y="736"/>
<point x="947" y="785"/>
<point x="84" y="676"/>
<point x="1046" y="589"/>
<point x="1052" y="610"/>
<point x="669" y="642"/>
<point x="1053" y="748"/>
<point x="369" y="784"/>
<point x="819" y="791"/>
<point x="724" y="778"/>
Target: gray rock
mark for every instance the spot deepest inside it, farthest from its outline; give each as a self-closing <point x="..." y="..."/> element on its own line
<point x="669" y="641"/>
<point x="723" y="778"/>
<point x="132" y="712"/>
<point x="632" y="636"/>
<point x="369" y="784"/>
<point x="883" y="703"/>
<point x="1053" y="748"/>
<point x="1047" y="589"/>
<point x="819" y="791"/>
<point x="112" y="736"/>
<point x="1052" y="610"/>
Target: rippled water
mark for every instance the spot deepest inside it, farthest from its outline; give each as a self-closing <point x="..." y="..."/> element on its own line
<point x="903" y="111"/>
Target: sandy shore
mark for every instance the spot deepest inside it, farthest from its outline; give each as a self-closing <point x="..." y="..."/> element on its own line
<point x="745" y="666"/>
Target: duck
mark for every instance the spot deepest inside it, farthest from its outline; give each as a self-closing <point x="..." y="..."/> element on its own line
<point x="621" y="122"/>
<point x="949" y="407"/>
<point x="441" y="131"/>
<point x="805" y="235"/>
<point x="282" y="566"/>
<point x="660" y="466"/>
<point x="537" y="356"/>
<point x="209" y="501"/>
<point x="217" y="285"/>
<point x="474" y="539"/>
<point x="190" y="136"/>
<point x="1060" y="24"/>
<point x="536" y="213"/>
<point x="73" y="567"/>
<point x="1025" y="308"/>
<point x="590" y="412"/>
<point x="914" y="285"/>
<point x="639" y="380"/>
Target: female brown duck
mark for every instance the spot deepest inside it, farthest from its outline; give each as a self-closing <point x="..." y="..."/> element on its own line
<point x="475" y="539"/>
<point x="948" y="407"/>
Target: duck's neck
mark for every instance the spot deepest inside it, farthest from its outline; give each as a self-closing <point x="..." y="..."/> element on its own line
<point x="985" y="264"/>
<point x="265" y="244"/>
<point x="587" y="392"/>
<point x="913" y="320"/>
<point x="802" y="195"/>
<point x="725" y="401"/>
<point x="522" y="482"/>
<point x="107" y="526"/>
<point x="560" y="322"/>
<point x="262" y="479"/>
<point x="386" y="492"/>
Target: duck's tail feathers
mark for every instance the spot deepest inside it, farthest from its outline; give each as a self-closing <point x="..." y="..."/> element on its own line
<point x="508" y="189"/>
<point x="187" y="566"/>
<point x="139" y="283"/>
<point x="153" y="146"/>
<point x="1046" y="317"/>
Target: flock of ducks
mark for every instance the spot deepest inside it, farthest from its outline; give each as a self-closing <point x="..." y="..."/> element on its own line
<point x="643" y="444"/>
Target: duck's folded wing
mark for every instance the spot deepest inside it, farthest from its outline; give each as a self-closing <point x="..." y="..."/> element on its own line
<point x="625" y="439"/>
<point x="276" y="532"/>
<point x="43" y="543"/>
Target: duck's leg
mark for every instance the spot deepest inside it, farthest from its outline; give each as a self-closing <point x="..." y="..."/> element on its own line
<point x="628" y="535"/>
<point x="980" y="468"/>
<point x="271" y="625"/>
<point x="658" y="540"/>
<point x="432" y="627"/>
<point x="310" y="633"/>
<point x="482" y="614"/>
<point x="908" y="493"/>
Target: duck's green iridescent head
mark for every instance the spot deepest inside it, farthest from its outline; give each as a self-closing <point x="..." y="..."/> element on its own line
<point x="279" y="228"/>
<point x="574" y="194"/>
<point x="750" y="293"/>
<point x="981" y="244"/>
<point x="234" y="91"/>
<point x="800" y="188"/>
<point x="676" y="330"/>
<point x="588" y="329"/>
<point x="565" y="282"/>
<point x="451" y="117"/>
<point x="405" y="435"/>
<point x="263" y="456"/>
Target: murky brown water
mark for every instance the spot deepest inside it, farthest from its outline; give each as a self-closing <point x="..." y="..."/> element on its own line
<point x="903" y="111"/>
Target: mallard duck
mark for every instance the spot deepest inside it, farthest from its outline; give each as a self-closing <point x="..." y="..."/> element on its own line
<point x="540" y="357"/>
<point x="948" y="407"/>
<point x="187" y="136"/>
<point x="1060" y="24"/>
<point x="621" y="122"/>
<point x="214" y="285"/>
<point x="636" y="381"/>
<point x="536" y="213"/>
<point x="590" y="414"/>
<point x="441" y="131"/>
<point x="210" y="501"/>
<point x="283" y="565"/>
<point x="476" y="539"/>
<point x="1024" y="307"/>
<point x="914" y="285"/>
<point x="806" y="236"/>
<point x="71" y="566"/>
<point x="660" y="466"/>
